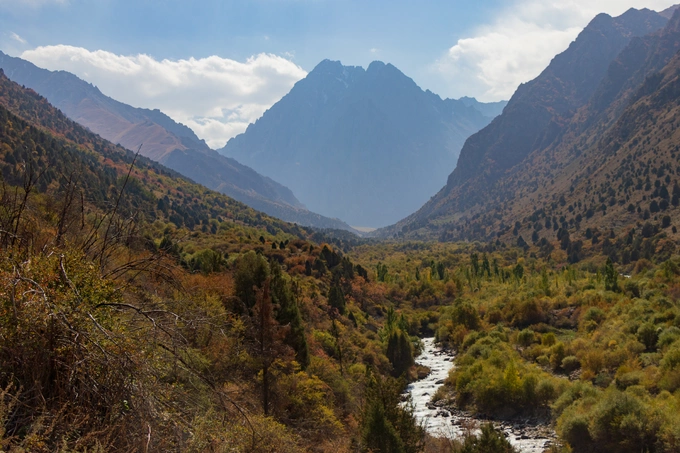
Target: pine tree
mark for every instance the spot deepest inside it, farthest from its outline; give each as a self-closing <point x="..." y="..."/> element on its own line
<point x="288" y="314"/>
<point x="611" y="277"/>
<point x="399" y="352"/>
<point x="381" y="270"/>
<point x="336" y="298"/>
<point x="251" y="272"/>
<point x="265" y="334"/>
<point x="387" y="425"/>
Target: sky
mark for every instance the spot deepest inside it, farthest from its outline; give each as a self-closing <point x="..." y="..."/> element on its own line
<point x="217" y="65"/>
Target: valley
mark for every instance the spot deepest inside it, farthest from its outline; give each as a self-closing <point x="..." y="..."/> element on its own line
<point x="511" y="284"/>
<point x="447" y="422"/>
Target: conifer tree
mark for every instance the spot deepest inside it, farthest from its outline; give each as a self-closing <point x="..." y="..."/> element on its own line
<point x="288" y="314"/>
<point x="399" y="352"/>
<point x="611" y="277"/>
<point x="387" y="425"/>
<point x="251" y="272"/>
<point x="336" y="298"/>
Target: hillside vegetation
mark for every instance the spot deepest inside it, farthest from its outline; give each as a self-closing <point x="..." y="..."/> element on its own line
<point x="590" y="347"/>
<point x="608" y="162"/>
<point x="141" y="312"/>
<point x="165" y="141"/>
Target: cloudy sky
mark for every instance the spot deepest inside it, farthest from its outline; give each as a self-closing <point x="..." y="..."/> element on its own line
<point x="217" y="65"/>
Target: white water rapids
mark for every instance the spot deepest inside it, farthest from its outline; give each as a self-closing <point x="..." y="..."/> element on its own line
<point x="438" y="421"/>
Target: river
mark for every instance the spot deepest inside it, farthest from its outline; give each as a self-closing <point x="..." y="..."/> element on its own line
<point x="442" y="422"/>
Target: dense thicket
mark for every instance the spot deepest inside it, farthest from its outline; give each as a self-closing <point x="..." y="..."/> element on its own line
<point x="141" y="312"/>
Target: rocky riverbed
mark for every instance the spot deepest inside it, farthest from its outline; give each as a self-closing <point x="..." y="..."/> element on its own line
<point x="443" y="420"/>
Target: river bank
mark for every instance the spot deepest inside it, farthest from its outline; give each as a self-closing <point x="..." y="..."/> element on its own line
<point x="441" y="419"/>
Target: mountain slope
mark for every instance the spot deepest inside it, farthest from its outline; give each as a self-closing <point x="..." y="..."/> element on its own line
<point x="490" y="109"/>
<point x="368" y="146"/>
<point x="668" y="13"/>
<point x="538" y="109"/>
<point x="36" y="136"/>
<point x="571" y="103"/>
<point x="164" y="140"/>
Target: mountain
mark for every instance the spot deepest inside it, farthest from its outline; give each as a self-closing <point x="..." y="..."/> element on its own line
<point x="37" y="139"/>
<point x="365" y="145"/>
<point x="490" y="109"/>
<point x="668" y="13"/>
<point x="165" y="141"/>
<point x="532" y="170"/>
<point x="537" y="110"/>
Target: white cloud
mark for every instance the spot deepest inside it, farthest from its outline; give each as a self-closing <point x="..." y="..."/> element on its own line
<point x="216" y="97"/>
<point x="519" y="42"/>
<point x="17" y="38"/>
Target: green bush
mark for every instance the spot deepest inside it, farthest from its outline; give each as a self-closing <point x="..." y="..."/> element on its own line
<point x="526" y="337"/>
<point x="489" y="440"/>
<point x="207" y="261"/>
<point x="622" y="422"/>
<point x="629" y="379"/>
<point x="546" y="392"/>
<point x="594" y="314"/>
<point x="670" y="367"/>
<point x="617" y="421"/>
<point x="574" y="429"/>
<point x="668" y="337"/>
<point x="548" y="339"/>
<point x="648" y="336"/>
<point x="463" y="313"/>
<point x="491" y="377"/>
<point x="557" y="354"/>
<point x="570" y="364"/>
<point x="575" y="392"/>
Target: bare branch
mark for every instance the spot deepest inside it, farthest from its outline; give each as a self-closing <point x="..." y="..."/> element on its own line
<point x="115" y="207"/>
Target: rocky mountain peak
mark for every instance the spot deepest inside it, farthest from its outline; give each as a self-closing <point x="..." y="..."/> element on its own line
<point x="388" y="142"/>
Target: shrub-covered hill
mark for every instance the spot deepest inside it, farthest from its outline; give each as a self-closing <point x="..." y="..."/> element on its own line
<point x="591" y="348"/>
<point x="35" y="135"/>
<point x="142" y="312"/>
<point x="173" y="145"/>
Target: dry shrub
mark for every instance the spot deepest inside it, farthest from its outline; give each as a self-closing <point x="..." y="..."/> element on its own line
<point x="219" y="434"/>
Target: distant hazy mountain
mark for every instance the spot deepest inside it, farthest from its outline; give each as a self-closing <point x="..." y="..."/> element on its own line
<point x="668" y="13"/>
<point x="490" y="109"/>
<point x="172" y="144"/>
<point x="368" y="146"/>
<point x="590" y="144"/>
